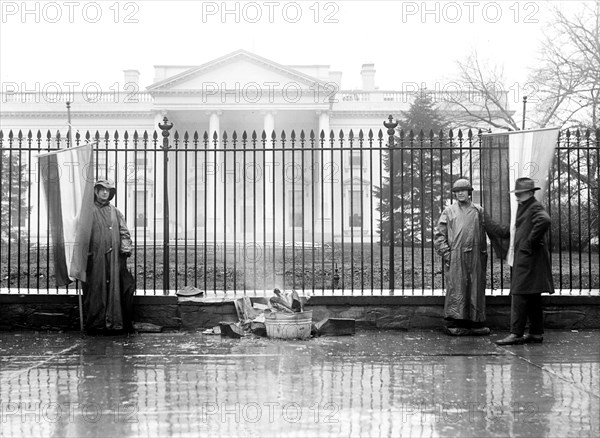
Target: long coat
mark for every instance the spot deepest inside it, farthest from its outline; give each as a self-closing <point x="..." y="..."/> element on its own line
<point x="532" y="272"/>
<point x="108" y="292"/>
<point x="460" y="236"/>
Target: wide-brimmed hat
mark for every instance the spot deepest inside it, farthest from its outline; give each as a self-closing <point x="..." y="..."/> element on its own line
<point x="524" y="185"/>
<point x="107" y="184"/>
<point x="461" y="184"/>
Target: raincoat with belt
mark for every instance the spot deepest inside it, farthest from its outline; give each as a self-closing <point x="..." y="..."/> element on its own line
<point x="461" y="241"/>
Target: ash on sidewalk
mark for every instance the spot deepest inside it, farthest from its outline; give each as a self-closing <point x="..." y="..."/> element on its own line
<point x="419" y="383"/>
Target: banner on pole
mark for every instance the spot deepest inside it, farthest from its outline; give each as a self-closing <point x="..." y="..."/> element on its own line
<point x="67" y="177"/>
<point x="522" y="154"/>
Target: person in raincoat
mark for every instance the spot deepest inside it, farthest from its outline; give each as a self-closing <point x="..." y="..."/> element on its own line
<point x="460" y="239"/>
<point x="108" y="291"/>
<point x="531" y="271"/>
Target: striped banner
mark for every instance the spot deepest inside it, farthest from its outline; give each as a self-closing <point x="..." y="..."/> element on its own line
<point x="68" y="182"/>
<point x="520" y="154"/>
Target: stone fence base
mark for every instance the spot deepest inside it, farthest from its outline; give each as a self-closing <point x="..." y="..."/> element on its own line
<point x="61" y="312"/>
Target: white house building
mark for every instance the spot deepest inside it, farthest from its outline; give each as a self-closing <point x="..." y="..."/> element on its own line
<point x="288" y="195"/>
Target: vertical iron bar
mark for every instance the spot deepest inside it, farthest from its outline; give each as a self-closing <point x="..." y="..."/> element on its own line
<point x="569" y="213"/>
<point x="322" y="183"/>
<point x="422" y="207"/>
<point x="381" y="151"/>
<point x="176" y="205"/>
<point x="195" y="217"/>
<point x="302" y="179"/>
<point x="431" y="225"/>
<point x="145" y="269"/>
<point x="362" y="211"/>
<point x="580" y="243"/>
<point x="273" y="142"/>
<point x="412" y="213"/>
<point x="20" y="188"/>
<point x="205" y="206"/>
<point x="351" y="211"/>
<point x="29" y="140"/>
<point x="371" y="215"/>
<point x="588" y="196"/>
<point x="235" y="208"/>
<point x="39" y="179"/>
<point x="155" y="191"/>
<point x="254" y="237"/>
<point x="283" y="221"/>
<point x="342" y="272"/>
<point x="264" y="208"/>
<point x="559" y="184"/>
<point x="313" y="206"/>
<point x="9" y="212"/>
<point x="333" y="264"/>
<point x="224" y="142"/>
<point x="293" y="209"/>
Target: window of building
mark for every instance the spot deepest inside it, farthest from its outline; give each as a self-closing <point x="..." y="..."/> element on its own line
<point x="141" y="216"/>
<point x="295" y="214"/>
<point x="355" y="218"/>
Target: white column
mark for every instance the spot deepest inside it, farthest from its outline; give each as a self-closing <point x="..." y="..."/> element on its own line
<point x="270" y="169"/>
<point x="214" y="125"/>
<point x="323" y="123"/>
<point x="214" y="165"/>
<point x="326" y="170"/>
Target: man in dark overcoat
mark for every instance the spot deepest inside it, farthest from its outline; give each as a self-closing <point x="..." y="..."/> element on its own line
<point x="531" y="272"/>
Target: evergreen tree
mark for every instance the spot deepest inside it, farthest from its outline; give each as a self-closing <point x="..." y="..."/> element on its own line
<point x="421" y="162"/>
<point x="14" y="210"/>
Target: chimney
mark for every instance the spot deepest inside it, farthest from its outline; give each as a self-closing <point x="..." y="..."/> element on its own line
<point x="336" y="78"/>
<point x="368" y="77"/>
<point x="131" y="76"/>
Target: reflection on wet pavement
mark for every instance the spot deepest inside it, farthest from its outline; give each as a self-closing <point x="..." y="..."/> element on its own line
<point x="373" y="384"/>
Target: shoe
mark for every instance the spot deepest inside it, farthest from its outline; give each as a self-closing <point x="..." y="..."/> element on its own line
<point x="533" y="339"/>
<point x="457" y="331"/>
<point x="480" y="331"/>
<point x="511" y="339"/>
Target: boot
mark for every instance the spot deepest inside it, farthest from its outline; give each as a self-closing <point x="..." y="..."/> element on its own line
<point x="480" y="331"/>
<point x="457" y="331"/>
<point x="511" y="339"/>
<point x="533" y="339"/>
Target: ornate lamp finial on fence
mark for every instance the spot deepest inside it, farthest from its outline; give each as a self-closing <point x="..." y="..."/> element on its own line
<point x="165" y="127"/>
<point x="391" y="125"/>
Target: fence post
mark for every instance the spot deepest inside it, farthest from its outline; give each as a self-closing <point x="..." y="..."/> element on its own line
<point x="165" y="127"/>
<point x="391" y="130"/>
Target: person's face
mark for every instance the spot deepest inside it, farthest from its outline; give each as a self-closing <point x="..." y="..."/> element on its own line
<point x="523" y="196"/>
<point x="102" y="193"/>
<point x="462" y="195"/>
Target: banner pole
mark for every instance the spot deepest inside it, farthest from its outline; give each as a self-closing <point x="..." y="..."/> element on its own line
<point x="80" y="305"/>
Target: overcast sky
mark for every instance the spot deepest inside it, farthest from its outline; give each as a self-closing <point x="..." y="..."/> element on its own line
<point x="408" y="41"/>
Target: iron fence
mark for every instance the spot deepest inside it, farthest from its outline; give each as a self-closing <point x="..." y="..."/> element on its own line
<point x="308" y="211"/>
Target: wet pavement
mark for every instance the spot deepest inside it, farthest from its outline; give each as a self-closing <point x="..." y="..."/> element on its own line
<point x="418" y="383"/>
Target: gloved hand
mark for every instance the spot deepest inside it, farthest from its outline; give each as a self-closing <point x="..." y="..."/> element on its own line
<point x="446" y="259"/>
